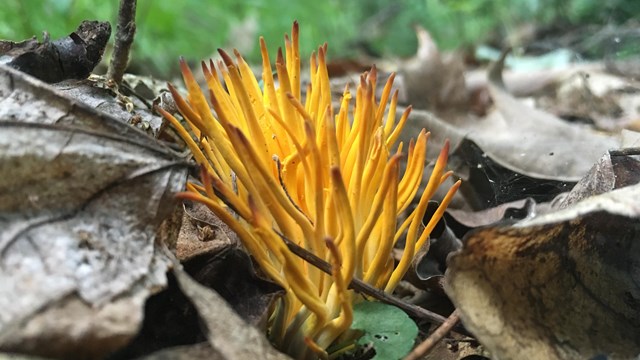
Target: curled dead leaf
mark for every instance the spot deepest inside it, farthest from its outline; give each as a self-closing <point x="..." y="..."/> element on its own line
<point x="560" y="286"/>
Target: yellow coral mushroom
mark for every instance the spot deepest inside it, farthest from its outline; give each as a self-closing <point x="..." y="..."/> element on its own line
<point x="279" y="164"/>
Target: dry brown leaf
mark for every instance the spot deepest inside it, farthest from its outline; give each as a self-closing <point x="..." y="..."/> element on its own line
<point x="610" y="172"/>
<point x="536" y="143"/>
<point x="510" y="211"/>
<point x="430" y="80"/>
<point x="202" y="233"/>
<point x="561" y="286"/>
<point x="231" y="273"/>
<point x="228" y="334"/>
<point x="607" y="101"/>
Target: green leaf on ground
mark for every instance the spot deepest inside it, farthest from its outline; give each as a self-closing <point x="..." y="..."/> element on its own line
<point x="388" y="328"/>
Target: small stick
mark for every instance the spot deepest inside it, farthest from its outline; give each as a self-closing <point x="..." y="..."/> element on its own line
<point x="364" y="288"/>
<point x="431" y="341"/>
<point x="125" y="32"/>
<point x="625" y="152"/>
<point x="361" y="286"/>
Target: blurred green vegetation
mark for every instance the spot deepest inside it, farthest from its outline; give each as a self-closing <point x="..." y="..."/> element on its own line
<point x="196" y="28"/>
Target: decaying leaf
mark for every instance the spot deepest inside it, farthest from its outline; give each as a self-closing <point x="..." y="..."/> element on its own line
<point x="522" y="139"/>
<point x="96" y="94"/>
<point x="172" y="321"/>
<point x="79" y="211"/>
<point x="71" y="57"/>
<point x="231" y="273"/>
<point x="560" y="286"/>
<point x="228" y="334"/>
<point x="490" y="184"/>
<point x="610" y="172"/>
<point x="609" y="102"/>
<point x="536" y="143"/>
<point x="202" y="233"/>
<point x="510" y="211"/>
<point x="430" y="80"/>
<point x="26" y="99"/>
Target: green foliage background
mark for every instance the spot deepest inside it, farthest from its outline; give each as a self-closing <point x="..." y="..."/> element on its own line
<point x="196" y="28"/>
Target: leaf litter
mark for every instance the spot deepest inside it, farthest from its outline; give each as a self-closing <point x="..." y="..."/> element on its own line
<point x="522" y="275"/>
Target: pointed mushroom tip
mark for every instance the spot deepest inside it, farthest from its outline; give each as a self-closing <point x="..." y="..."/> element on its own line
<point x="184" y="67"/>
<point x="225" y="57"/>
<point x="205" y="68"/>
<point x="279" y="56"/>
<point x="444" y="153"/>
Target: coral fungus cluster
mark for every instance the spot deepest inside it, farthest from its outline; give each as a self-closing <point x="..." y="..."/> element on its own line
<point x="280" y="162"/>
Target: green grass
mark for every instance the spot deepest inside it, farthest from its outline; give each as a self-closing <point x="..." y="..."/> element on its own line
<point x="196" y="28"/>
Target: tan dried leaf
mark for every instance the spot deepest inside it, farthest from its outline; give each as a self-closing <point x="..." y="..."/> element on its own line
<point x="561" y="286"/>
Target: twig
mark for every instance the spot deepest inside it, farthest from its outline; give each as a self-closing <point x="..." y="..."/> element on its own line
<point x="360" y="286"/>
<point x="625" y="152"/>
<point x="125" y="32"/>
<point x="364" y="288"/>
<point x="428" y="343"/>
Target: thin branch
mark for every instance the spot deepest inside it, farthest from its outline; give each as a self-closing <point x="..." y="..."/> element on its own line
<point x="364" y="288"/>
<point x="625" y="152"/>
<point x="431" y="341"/>
<point x="125" y="32"/>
